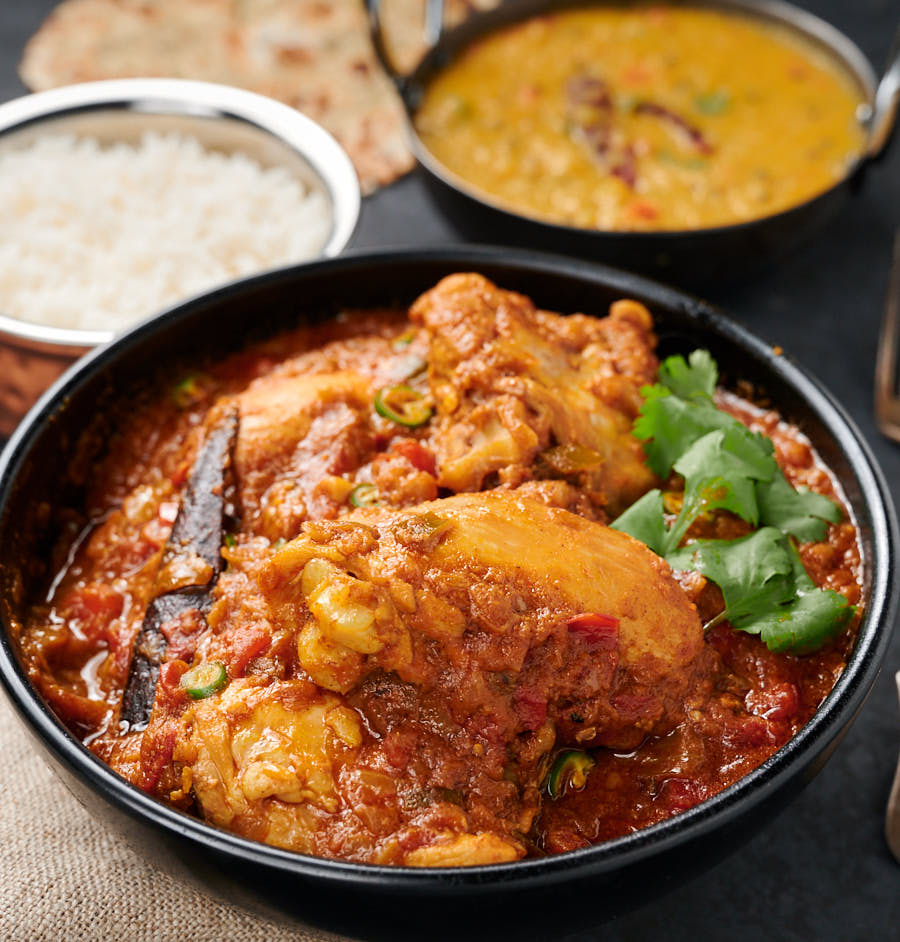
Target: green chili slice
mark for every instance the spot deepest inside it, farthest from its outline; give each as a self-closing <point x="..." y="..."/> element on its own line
<point x="190" y="390"/>
<point x="204" y="680"/>
<point x="404" y="340"/>
<point x="402" y="405"/>
<point x="569" y="770"/>
<point x="364" y="495"/>
<point x="712" y="103"/>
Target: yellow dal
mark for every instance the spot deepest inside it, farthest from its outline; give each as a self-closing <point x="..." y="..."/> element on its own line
<point x="777" y="118"/>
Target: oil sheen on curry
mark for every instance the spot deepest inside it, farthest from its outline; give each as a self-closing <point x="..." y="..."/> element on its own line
<point x="646" y="118"/>
<point x="354" y="591"/>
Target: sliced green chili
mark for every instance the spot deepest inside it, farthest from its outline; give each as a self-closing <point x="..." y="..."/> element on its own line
<point x="364" y="495"/>
<point x="404" y="340"/>
<point x="403" y="405"/>
<point x="204" y="680"/>
<point x="190" y="390"/>
<point x="569" y="770"/>
<point x="712" y="103"/>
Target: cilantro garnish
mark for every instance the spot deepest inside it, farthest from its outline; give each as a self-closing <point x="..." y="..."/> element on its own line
<point x="645" y="521"/>
<point x="753" y="572"/>
<point x="807" y="622"/>
<point x="699" y="374"/>
<point x="802" y="513"/>
<point x="669" y="425"/>
<point x="720" y="471"/>
<point x="727" y="466"/>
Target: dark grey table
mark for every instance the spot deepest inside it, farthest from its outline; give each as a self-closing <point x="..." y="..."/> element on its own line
<point x="821" y="871"/>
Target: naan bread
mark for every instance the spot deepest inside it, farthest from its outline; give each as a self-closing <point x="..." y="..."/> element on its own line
<point x="315" y="55"/>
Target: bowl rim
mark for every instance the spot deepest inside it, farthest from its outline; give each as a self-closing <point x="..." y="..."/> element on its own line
<point x="326" y="158"/>
<point x="752" y="790"/>
<point x="804" y="23"/>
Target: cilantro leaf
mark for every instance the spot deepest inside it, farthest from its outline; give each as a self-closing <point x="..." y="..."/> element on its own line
<point x="800" y="513"/>
<point x="697" y="375"/>
<point x="670" y="425"/>
<point x="720" y="470"/>
<point x="755" y="572"/>
<point x="767" y="591"/>
<point x="805" y="624"/>
<point x="727" y="466"/>
<point x="644" y="520"/>
<point x="675" y="415"/>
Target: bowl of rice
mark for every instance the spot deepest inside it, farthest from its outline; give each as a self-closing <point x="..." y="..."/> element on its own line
<point x="124" y="197"/>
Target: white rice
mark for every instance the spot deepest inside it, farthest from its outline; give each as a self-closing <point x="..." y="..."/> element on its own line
<point x="97" y="237"/>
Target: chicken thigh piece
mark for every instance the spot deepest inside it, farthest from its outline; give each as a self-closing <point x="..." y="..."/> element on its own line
<point x="295" y="434"/>
<point x="514" y="386"/>
<point x="481" y="581"/>
<point x="442" y="653"/>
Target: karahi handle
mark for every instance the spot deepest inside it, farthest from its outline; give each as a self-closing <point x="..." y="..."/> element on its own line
<point x="433" y="28"/>
<point x="886" y="104"/>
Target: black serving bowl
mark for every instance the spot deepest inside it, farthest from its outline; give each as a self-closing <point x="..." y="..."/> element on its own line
<point x="692" y="258"/>
<point x="46" y="466"/>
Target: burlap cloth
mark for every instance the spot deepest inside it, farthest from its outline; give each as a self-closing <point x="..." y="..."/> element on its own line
<point x="66" y="876"/>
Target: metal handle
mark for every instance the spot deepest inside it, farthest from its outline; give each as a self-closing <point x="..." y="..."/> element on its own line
<point x="892" y="818"/>
<point x="433" y="27"/>
<point x="886" y="104"/>
<point x="887" y="402"/>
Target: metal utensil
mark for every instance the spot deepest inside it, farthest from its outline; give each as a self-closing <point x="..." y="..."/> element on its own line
<point x="892" y="818"/>
<point x="887" y="393"/>
<point x="196" y="537"/>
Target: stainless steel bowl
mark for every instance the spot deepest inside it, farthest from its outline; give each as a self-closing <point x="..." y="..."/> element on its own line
<point x="221" y="118"/>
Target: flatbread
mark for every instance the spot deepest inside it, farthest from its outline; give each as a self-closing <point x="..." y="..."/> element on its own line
<point x="403" y="22"/>
<point x="315" y="55"/>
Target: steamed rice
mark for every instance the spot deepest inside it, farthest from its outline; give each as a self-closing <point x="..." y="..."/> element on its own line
<point x="98" y="237"/>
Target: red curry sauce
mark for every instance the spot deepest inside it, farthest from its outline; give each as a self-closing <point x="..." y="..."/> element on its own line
<point x="745" y="704"/>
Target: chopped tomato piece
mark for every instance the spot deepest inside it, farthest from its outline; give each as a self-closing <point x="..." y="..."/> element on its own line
<point x="417" y="455"/>
<point x="531" y="707"/>
<point x="679" y="794"/>
<point x="169" y="687"/>
<point x="181" y="634"/>
<point x="644" y="209"/>
<point x="633" y="707"/>
<point x="777" y="703"/>
<point x="90" y="609"/>
<point x="602" y="630"/>
<point x="157" y="747"/>
<point x="398" y="746"/>
<point x="247" y="642"/>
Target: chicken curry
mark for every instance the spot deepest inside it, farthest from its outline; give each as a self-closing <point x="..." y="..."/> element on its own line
<point x="353" y="591"/>
<point x="643" y="118"/>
